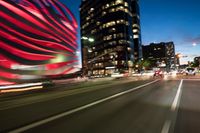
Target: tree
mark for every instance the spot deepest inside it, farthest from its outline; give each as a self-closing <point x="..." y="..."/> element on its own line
<point x="146" y="64"/>
<point x="195" y="64"/>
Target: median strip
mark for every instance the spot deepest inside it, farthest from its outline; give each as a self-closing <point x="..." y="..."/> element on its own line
<point x="52" y="118"/>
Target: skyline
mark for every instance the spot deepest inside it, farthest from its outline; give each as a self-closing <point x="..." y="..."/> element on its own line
<point x="164" y="22"/>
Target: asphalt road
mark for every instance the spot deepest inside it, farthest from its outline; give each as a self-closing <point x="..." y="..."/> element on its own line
<point x="163" y="106"/>
<point x="188" y="117"/>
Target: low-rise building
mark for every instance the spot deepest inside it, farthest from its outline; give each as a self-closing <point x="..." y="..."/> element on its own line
<point x="160" y="54"/>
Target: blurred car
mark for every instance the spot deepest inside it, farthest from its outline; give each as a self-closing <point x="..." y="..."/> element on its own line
<point x="190" y="71"/>
<point x="117" y="75"/>
<point x="148" y="73"/>
<point x="158" y="73"/>
<point x="48" y="83"/>
<point x="180" y="72"/>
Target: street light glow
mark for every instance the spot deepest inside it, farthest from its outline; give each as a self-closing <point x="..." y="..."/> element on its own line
<point x="194" y="44"/>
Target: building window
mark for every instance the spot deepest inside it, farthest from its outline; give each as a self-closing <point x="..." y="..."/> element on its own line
<point x="103" y="13"/>
<point x="120" y="8"/>
<point x="94" y="31"/>
<point x="107" y="6"/>
<point x="135" y="30"/>
<point x="122" y="42"/>
<point x="135" y="36"/>
<point x="112" y="10"/>
<point x="125" y="4"/>
<point x="91" y="9"/>
<point x="119" y="2"/>
<point x="98" y="23"/>
<point x="136" y="25"/>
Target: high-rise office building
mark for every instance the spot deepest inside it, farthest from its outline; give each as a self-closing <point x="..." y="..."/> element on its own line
<point x="110" y="35"/>
<point x="136" y="30"/>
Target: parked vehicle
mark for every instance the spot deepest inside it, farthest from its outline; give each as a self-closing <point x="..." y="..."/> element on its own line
<point x="190" y="71"/>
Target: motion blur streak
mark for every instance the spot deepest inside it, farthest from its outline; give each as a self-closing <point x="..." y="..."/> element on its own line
<point x="19" y="90"/>
<point x="19" y="86"/>
<point x="38" y="39"/>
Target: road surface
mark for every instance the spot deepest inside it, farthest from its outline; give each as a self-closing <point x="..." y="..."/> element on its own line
<point x="151" y="106"/>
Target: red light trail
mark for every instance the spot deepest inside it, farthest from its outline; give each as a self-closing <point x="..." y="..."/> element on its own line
<point x="38" y="38"/>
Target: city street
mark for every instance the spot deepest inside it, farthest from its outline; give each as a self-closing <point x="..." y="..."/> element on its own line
<point x="103" y="66"/>
<point x="119" y="106"/>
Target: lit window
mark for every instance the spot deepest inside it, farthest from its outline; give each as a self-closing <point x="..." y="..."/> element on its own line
<point x="126" y="10"/>
<point x="120" y="8"/>
<point x="87" y="18"/>
<point x="126" y="4"/>
<point x="129" y="49"/>
<point x="113" y="29"/>
<point x="112" y="10"/>
<point x="103" y="13"/>
<point x="98" y="23"/>
<point x="135" y="30"/>
<point x="119" y="2"/>
<point x="136" y="25"/>
<point x="107" y="5"/>
<point x="135" y="36"/>
<point x="94" y="31"/>
<point x="91" y="9"/>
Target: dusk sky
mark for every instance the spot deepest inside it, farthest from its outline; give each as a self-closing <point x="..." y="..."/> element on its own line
<point x="166" y="20"/>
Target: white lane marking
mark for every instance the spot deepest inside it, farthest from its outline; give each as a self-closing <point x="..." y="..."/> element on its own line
<point x="167" y="124"/>
<point x="192" y="79"/>
<point x="177" y="97"/>
<point x="166" y="127"/>
<point x="39" y="123"/>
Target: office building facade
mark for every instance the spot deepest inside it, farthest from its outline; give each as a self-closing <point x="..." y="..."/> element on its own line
<point x="110" y="35"/>
<point x="160" y="54"/>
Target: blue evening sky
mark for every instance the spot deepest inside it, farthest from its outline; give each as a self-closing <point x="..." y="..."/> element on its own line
<point x="166" y="20"/>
